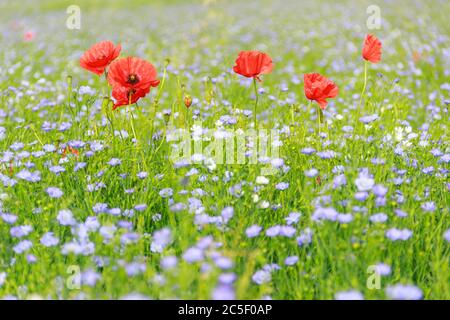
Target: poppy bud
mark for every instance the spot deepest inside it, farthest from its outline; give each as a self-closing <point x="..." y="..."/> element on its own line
<point x="167" y="114"/>
<point x="187" y="101"/>
<point x="319" y="180"/>
<point x="69" y="81"/>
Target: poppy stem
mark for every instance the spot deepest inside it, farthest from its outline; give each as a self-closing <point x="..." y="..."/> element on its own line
<point x="69" y="94"/>
<point x="309" y="107"/>
<point x="109" y="115"/>
<point x="156" y="101"/>
<point x="365" y="84"/>
<point x="188" y="119"/>
<point x="292" y="115"/>
<point x="256" y="102"/>
<point x="69" y="90"/>
<point x="132" y="124"/>
<point x="35" y="134"/>
<point x="319" y="117"/>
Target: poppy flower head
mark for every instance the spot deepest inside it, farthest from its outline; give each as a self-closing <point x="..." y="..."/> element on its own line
<point x="29" y="35"/>
<point x="319" y="88"/>
<point x="372" y="49"/>
<point x="124" y="96"/>
<point x="132" y="72"/>
<point x="131" y="79"/>
<point x="252" y="64"/>
<point x="99" y="56"/>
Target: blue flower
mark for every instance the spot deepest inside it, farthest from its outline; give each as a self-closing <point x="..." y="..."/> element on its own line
<point x="223" y="292"/>
<point x="165" y="193"/>
<point x="369" y="119"/>
<point x="273" y="231"/>
<point x="20" y="231"/>
<point x="383" y="269"/>
<point x="308" y="150"/>
<point x="398" y="234"/>
<point x="261" y="277"/>
<point x="49" y="240"/>
<point x="140" y="207"/>
<point x="292" y="218"/>
<point x="324" y="214"/>
<point x="253" y="231"/>
<point x="379" y="190"/>
<point x="311" y="173"/>
<point x="22" y="246"/>
<point x="114" y="162"/>
<point x="193" y="254"/>
<point x="9" y="218"/>
<point x="305" y="237"/>
<point x="378" y="218"/>
<point x="345" y="218"/>
<point x="429" y="206"/>
<point x="54" y="192"/>
<point x="161" y="239"/>
<point x="289" y="261"/>
<point x="349" y="295"/>
<point x="282" y="186"/>
<point x="142" y="175"/>
<point x="339" y="180"/>
<point x="447" y="235"/>
<point x="65" y="218"/>
<point x="169" y="262"/>
<point x="404" y="292"/>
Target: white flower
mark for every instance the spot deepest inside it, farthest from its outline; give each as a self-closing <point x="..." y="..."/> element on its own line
<point x="264" y="204"/>
<point x="398" y="133"/>
<point x="387" y="138"/>
<point x="364" y="182"/>
<point x="210" y="164"/>
<point x="262" y="180"/>
<point x="424" y="143"/>
<point x="197" y="158"/>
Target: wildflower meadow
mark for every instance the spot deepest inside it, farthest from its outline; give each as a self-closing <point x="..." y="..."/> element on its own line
<point x="262" y="149"/>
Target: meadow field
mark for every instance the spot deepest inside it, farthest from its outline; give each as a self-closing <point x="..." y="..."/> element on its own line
<point x="351" y="202"/>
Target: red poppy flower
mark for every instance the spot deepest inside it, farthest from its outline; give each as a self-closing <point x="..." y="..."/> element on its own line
<point x="124" y="96"/>
<point x="29" y="35"/>
<point x="131" y="79"/>
<point x="71" y="150"/>
<point x="252" y="64"/>
<point x="99" y="56"/>
<point x="372" y="49"/>
<point x="319" y="88"/>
